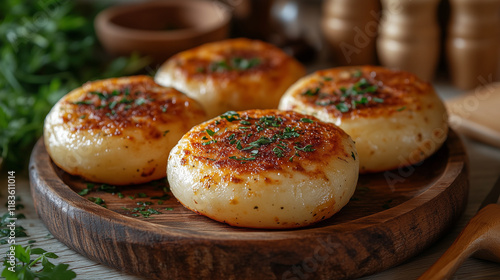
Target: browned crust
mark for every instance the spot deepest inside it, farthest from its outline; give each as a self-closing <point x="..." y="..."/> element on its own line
<point x="367" y="91"/>
<point x="262" y="140"/>
<point x="120" y="103"/>
<point x="263" y="58"/>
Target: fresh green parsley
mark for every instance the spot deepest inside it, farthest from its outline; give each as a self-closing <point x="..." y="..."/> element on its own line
<point x="306" y="120"/>
<point x="210" y="132"/>
<point x="307" y="148"/>
<point x="98" y="201"/>
<point x="278" y="152"/>
<point x="84" y="102"/>
<point x="230" y="116"/>
<point x="256" y="144"/>
<point x="26" y="261"/>
<point x="19" y="231"/>
<point x="311" y="92"/>
<point x="342" y="107"/>
<point x="235" y="63"/>
<point x="242" y="158"/>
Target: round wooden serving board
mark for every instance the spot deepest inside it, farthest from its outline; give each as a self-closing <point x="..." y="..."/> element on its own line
<point x="391" y="217"/>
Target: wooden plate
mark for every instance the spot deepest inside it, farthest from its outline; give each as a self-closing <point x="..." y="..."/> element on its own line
<point x="391" y="217"/>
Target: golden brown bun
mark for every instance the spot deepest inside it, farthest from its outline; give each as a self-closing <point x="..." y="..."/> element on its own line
<point x="236" y="74"/>
<point x="394" y="118"/>
<point x="264" y="169"/>
<point x="118" y="131"/>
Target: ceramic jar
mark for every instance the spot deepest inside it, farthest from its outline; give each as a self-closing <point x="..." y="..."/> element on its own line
<point x="350" y="28"/>
<point x="409" y="36"/>
<point x="473" y="43"/>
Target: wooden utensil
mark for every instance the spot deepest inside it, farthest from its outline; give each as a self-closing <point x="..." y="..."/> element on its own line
<point x="480" y="237"/>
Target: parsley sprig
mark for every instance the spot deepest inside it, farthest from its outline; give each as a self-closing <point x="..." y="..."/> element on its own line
<point x="42" y="61"/>
<point x="25" y="267"/>
<point x="5" y="231"/>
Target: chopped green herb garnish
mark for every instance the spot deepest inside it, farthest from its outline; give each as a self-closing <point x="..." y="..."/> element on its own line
<point x="125" y="101"/>
<point x="210" y="132"/>
<point x="165" y="132"/>
<point x="107" y="188"/>
<point x="278" y="152"/>
<point x="230" y="116"/>
<point x="140" y="101"/>
<point x="357" y="74"/>
<point x="219" y="66"/>
<point x="311" y="92"/>
<point x="236" y="63"/>
<point x="238" y="145"/>
<point x="243" y="63"/>
<point x="245" y="122"/>
<point x="289" y="132"/>
<point x="169" y="208"/>
<point x="401" y="109"/>
<point x="142" y="195"/>
<point x="84" y="192"/>
<point x="256" y="144"/>
<point x="120" y="195"/>
<point x="327" y="78"/>
<point x="242" y="158"/>
<point x="84" y="102"/>
<point x="98" y="201"/>
<point x="307" y="148"/>
<point x="144" y="203"/>
<point x="353" y="156"/>
<point x="209" y="142"/>
<point x="306" y="120"/>
<point x="342" y="107"/>
<point x="268" y="121"/>
<point x="113" y="104"/>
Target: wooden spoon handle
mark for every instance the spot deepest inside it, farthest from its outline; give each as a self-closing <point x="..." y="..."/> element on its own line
<point x="482" y="233"/>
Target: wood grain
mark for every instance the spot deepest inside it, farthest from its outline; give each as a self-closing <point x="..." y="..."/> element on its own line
<point x="480" y="236"/>
<point x="382" y="226"/>
<point x="476" y="113"/>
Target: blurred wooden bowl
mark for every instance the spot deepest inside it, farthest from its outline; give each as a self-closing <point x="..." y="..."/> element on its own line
<point x="160" y="29"/>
